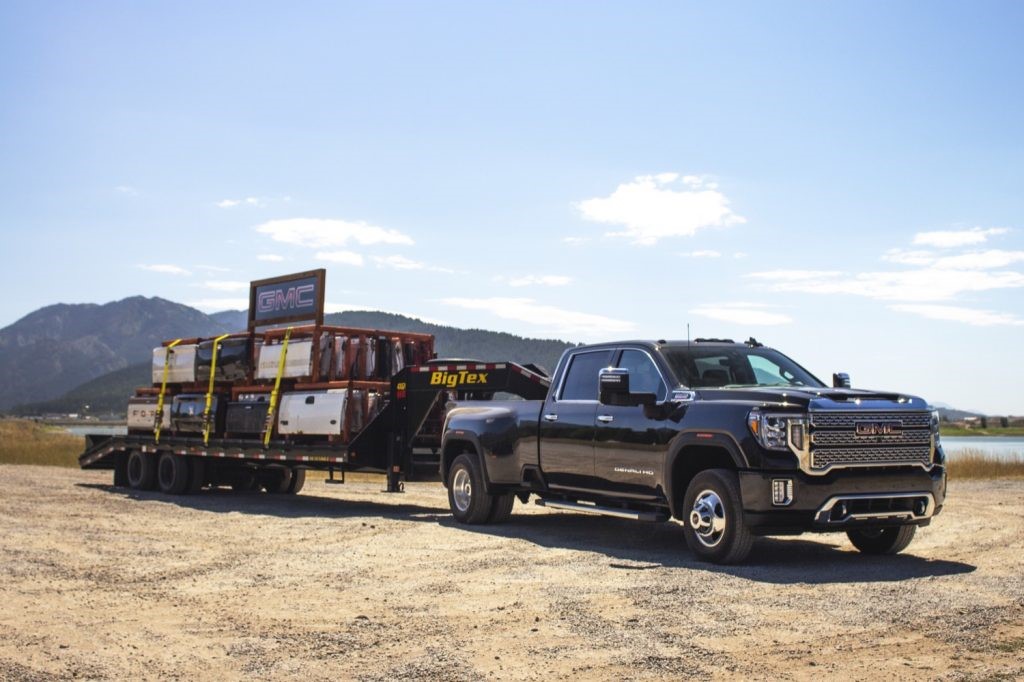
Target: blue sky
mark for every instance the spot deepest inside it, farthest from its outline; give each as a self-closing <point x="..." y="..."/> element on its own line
<point x="841" y="181"/>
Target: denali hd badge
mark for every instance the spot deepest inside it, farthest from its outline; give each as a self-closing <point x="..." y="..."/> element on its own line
<point x="887" y="428"/>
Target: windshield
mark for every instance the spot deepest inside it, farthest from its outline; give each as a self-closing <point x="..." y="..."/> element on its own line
<point x="734" y="367"/>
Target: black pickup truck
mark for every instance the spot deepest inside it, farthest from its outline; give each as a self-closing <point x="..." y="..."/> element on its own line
<point x="732" y="440"/>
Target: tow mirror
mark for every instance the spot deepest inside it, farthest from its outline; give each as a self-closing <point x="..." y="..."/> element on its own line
<point x="614" y="389"/>
<point x="840" y="380"/>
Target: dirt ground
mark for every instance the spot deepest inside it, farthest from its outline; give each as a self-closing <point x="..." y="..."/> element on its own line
<point x="345" y="582"/>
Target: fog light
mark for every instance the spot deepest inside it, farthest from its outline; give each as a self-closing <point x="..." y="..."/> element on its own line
<point x="920" y="507"/>
<point x="782" y="491"/>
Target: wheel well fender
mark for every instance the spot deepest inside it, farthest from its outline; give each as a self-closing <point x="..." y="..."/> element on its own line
<point x="689" y="457"/>
<point x="465" y="444"/>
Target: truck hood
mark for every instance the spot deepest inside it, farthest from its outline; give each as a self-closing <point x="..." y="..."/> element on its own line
<point x="816" y="398"/>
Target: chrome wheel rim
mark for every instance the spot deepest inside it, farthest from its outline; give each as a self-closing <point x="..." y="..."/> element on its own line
<point x="707" y="518"/>
<point x="462" y="490"/>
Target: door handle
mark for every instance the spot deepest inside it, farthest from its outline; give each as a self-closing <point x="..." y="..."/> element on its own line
<point x="605" y="418"/>
<point x="551" y="417"/>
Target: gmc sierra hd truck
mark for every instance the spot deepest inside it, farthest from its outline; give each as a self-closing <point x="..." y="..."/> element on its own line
<point x="731" y="440"/>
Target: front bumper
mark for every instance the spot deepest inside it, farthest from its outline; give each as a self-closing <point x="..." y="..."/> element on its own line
<point x="843" y="499"/>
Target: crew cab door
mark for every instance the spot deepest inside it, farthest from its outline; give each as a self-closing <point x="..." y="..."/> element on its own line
<point x="629" y="446"/>
<point x="567" y="422"/>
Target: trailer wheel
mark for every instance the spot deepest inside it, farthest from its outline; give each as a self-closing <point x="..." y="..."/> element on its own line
<point x="501" y="509"/>
<point x="882" y="540"/>
<point x="196" y="474"/>
<point x="172" y="473"/>
<point x="298" y="480"/>
<point x="141" y="470"/>
<point x="244" y="481"/>
<point x="276" y="480"/>
<point x="468" y="500"/>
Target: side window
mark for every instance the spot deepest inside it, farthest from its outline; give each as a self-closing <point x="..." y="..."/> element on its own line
<point x="643" y="374"/>
<point x="581" y="377"/>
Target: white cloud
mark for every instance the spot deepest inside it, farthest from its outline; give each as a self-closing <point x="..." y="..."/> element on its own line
<point x="165" y="268"/>
<point x="270" y="257"/>
<point x="257" y="202"/>
<point x="213" y="268"/>
<point x="946" y="239"/>
<point x="538" y="280"/>
<point x="575" y="241"/>
<point x="127" y="189"/>
<point x="980" y="260"/>
<point x="654" y="207"/>
<point x="345" y="257"/>
<point x="403" y="263"/>
<point x="741" y="313"/>
<point x="550" y="318"/>
<point x="223" y="285"/>
<point x="978" y="318"/>
<point x="970" y="260"/>
<point x="705" y="253"/>
<point x="925" y="285"/>
<point x="319" y="233"/>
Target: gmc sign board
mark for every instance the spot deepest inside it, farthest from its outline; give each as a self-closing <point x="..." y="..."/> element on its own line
<point x="291" y="298"/>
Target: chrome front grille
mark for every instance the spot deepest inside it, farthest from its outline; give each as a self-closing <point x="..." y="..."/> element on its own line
<point x="850" y="439"/>
<point x="848" y="420"/>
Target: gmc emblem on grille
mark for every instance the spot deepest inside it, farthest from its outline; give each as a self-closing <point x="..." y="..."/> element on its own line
<point x="890" y="428"/>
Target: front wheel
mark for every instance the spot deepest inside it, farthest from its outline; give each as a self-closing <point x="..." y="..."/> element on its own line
<point x="882" y="540"/>
<point x="468" y="500"/>
<point x="714" y="526"/>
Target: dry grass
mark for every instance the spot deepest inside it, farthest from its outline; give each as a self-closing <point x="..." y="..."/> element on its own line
<point x="979" y="464"/>
<point x="27" y="442"/>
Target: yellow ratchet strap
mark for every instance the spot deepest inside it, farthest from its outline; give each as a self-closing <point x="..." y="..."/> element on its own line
<point x="209" y="391"/>
<point x="268" y="428"/>
<point x="159" y="419"/>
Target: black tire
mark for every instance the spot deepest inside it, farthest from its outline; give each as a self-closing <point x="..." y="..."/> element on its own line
<point x="469" y="501"/>
<point x="172" y="473"/>
<point x="501" y="508"/>
<point x="244" y="480"/>
<point x="298" y="480"/>
<point x="714" y="526"/>
<point x="121" y="471"/>
<point x="276" y="480"/>
<point x="141" y="470"/>
<point x="882" y="540"/>
<point x="196" y="475"/>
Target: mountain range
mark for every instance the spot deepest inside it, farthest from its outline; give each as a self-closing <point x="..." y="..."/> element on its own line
<point x="65" y="356"/>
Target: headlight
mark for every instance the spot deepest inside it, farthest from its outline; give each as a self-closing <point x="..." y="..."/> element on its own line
<point x="775" y="431"/>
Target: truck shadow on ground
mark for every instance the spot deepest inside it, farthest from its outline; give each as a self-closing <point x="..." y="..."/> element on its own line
<point x="630" y="545"/>
<point x="281" y="506"/>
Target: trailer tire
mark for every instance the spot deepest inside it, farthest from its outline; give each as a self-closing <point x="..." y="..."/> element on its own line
<point x="469" y="501"/>
<point x="276" y="480"/>
<point x="298" y="480"/>
<point x="196" y="474"/>
<point x="244" y="480"/>
<point x="141" y="470"/>
<point x="172" y="473"/>
<point x="501" y="509"/>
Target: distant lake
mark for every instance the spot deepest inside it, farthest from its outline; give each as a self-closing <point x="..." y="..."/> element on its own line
<point x="997" y="446"/>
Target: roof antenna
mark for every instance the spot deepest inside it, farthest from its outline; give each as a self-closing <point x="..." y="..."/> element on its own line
<point x="687" y="334"/>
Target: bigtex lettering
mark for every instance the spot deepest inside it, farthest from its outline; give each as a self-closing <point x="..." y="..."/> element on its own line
<point x="453" y="379"/>
<point x="286" y="299"/>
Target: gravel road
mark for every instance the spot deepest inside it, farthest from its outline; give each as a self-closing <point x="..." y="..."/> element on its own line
<point x="345" y="582"/>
